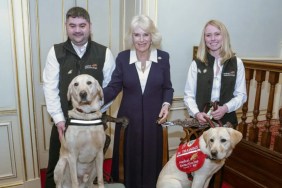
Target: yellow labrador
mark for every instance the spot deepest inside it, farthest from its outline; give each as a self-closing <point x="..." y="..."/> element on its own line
<point x="217" y="144"/>
<point x="81" y="154"/>
<point x="86" y="96"/>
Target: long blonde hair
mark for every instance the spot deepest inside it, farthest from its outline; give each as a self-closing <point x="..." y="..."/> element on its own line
<point x="225" y="50"/>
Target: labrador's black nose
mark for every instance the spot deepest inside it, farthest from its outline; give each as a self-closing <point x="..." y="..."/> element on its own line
<point x="83" y="95"/>
<point x="214" y="153"/>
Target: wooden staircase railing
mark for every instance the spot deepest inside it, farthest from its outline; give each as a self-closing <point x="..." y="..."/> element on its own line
<point x="257" y="70"/>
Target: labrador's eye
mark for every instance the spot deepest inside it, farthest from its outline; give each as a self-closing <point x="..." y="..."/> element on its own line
<point x="76" y="84"/>
<point x="211" y="140"/>
<point x="223" y="140"/>
<point x="89" y="82"/>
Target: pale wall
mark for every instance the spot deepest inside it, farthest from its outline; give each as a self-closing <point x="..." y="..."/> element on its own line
<point x="254" y="26"/>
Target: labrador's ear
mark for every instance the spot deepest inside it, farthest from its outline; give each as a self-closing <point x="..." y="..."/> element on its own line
<point x="235" y="136"/>
<point x="206" y="136"/>
<point x="100" y="93"/>
<point x="70" y="90"/>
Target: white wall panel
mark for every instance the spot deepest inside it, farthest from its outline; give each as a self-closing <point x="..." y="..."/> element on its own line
<point x="7" y="78"/>
<point x="50" y="24"/>
<point x="11" y="161"/>
<point x="7" y="154"/>
<point x="17" y="131"/>
<point x="100" y="18"/>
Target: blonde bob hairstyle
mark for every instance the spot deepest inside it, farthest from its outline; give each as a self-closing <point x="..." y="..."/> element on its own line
<point x="145" y="23"/>
<point x="225" y="50"/>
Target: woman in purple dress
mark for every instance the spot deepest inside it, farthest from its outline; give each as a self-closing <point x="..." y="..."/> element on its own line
<point x="142" y="73"/>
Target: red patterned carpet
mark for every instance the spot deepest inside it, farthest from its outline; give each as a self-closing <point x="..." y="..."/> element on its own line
<point x="274" y="127"/>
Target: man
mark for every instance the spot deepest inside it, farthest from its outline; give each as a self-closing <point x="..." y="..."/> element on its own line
<point x="78" y="55"/>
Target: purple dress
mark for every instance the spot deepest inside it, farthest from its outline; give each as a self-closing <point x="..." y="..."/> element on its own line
<point x="143" y="137"/>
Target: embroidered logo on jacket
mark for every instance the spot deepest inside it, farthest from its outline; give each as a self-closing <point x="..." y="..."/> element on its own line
<point x="93" y="66"/>
<point x="189" y="157"/>
<point x="231" y="73"/>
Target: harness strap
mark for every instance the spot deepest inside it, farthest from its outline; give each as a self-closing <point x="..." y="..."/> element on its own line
<point x="80" y="122"/>
<point x="215" y="106"/>
<point x="190" y="176"/>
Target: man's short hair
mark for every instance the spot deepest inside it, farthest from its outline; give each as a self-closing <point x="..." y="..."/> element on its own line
<point x="78" y="12"/>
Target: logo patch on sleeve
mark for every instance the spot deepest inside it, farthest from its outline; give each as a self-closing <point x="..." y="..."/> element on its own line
<point x="189" y="157"/>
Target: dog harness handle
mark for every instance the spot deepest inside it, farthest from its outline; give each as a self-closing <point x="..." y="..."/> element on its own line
<point x="207" y="107"/>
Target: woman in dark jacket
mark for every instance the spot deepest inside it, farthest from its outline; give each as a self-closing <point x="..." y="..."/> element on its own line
<point x="215" y="75"/>
<point x="143" y="75"/>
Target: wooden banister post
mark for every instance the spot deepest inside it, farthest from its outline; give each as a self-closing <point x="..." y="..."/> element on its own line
<point x="253" y="130"/>
<point x="242" y="127"/>
<point x="266" y="134"/>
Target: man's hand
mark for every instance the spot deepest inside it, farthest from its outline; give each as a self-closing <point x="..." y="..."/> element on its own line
<point x="61" y="126"/>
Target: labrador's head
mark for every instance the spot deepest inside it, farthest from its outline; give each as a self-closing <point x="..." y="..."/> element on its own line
<point x="85" y="93"/>
<point x="220" y="142"/>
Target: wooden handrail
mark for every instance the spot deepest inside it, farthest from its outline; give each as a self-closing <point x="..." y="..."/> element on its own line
<point x="264" y="65"/>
